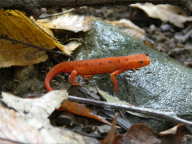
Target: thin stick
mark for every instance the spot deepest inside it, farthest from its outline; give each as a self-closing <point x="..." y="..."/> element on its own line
<point x="169" y="116"/>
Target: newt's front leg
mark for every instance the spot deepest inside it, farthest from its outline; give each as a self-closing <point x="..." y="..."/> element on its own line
<point x="114" y="80"/>
<point x="73" y="78"/>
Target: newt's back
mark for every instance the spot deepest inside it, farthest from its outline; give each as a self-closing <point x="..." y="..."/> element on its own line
<point x="98" y="66"/>
<point x="110" y="64"/>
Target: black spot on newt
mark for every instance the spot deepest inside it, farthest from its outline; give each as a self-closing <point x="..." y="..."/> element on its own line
<point x="110" y="61"/>
<point x="100" y="63"/>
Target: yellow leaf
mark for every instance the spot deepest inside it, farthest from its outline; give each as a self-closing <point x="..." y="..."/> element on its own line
<point x="15" y="25"/>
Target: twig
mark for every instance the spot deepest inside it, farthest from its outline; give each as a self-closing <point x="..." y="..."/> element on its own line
<point x="169" y="116"/>
<point x="56" y="14"/>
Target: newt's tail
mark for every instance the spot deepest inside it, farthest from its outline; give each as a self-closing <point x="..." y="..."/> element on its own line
<point x="50" y="75"/>
<point x="47" y="80"/>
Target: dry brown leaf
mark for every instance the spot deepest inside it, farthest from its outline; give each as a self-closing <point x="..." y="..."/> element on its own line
<point x="130" y="28"/>
<point x="176" y="134"/>
<point x="138" y="134"/>
<point x="82" y="110"/>
<point x="142" y="134"/>
<point x="164" y="12"/>
<point x="111" y="134"/>
<point x="15" y="25"/>
<point x="69" y="22"/>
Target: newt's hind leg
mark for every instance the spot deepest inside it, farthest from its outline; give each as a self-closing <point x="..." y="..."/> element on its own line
<point x="114" y="80"/>
<point x="73" y="78"/>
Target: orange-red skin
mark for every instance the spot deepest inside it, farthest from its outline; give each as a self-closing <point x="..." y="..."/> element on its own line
<point x="88" y="68"/>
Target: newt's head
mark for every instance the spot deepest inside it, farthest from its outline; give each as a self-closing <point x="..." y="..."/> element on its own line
<point x="142" y="60"/>
<point x="138" y="60"/>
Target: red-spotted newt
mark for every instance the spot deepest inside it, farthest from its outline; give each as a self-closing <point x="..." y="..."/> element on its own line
<point x="88" y="68"/>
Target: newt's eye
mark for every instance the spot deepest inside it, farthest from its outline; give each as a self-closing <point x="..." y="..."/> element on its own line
<point x="140" y="62"/>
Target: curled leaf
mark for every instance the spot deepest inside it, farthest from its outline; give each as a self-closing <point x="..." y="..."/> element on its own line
<point x="164" y="12"/>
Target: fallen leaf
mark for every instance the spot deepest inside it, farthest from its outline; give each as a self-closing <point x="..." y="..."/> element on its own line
<point x="71" y="46"/>
<point x="111" y="134"/>
<point x="111" y="99"/>
<point x="68" y="22"/>
<point x="130" y="28"/>
<point x="28" y="120"/>
<point x="175" y="134"/>
<point x="142" y="134"/>
<point x="13" y="127"/>
<point x="172" y="130"/>
<point x="138" y="134"/>
<point x="164" y="12"/>
<point x="16" y="26"/>
<point x="40" y="107"/>
<point x="82" y="110"/>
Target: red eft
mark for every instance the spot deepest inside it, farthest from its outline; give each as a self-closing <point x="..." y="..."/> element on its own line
<point x="88" y="68"/>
